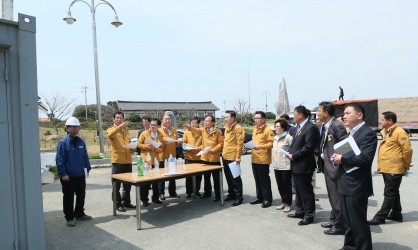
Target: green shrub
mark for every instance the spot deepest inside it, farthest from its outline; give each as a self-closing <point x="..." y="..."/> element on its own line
<point x="95" y="156"/>
<point x="55" y="171"/>
<point x="47" y="133"/>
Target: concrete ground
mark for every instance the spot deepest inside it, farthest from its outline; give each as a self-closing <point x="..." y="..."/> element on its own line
<point x="181" y="223"/>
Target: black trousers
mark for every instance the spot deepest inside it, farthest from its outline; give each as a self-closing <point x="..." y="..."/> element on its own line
<point x="171" y="184"/>
<point x="216" y="182"/>
<point x="262" y="181"/>
<point x="284" y="184"/>
<point x="189" y="180"/>
<point x="336" y="218"/>
<point x="144" y="192"/>
<point x="340" y="97"/>
<point x="77" y="186"/>
<point x="357" y="234"/>
<point x="305" y="197"/>
<point x="234" y="184"/>
<point x="392" y="199"/>
<point x="126" y="188"/>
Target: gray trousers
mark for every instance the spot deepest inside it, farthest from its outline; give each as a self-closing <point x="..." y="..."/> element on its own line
<point x="336" y="218"/>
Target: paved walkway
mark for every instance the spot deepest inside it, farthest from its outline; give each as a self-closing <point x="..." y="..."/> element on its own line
<point x="181" y="223"/>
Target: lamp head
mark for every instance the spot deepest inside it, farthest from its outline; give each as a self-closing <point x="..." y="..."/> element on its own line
<point x="116" y="23"/>
<point x="69" y="19"/>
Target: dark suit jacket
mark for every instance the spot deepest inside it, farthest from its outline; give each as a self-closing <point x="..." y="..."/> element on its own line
<point x="359" y="182"/>
<point x="302" y="149"/>
<point x="336" y="133"/>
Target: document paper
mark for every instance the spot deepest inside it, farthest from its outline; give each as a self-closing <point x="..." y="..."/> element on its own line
<point x="250" y="144"/>
<point x="131" y="145"/>
<point x="347" y="146"/>
<point x="155" y="144"/>
<point x="284" y="152"/>
<point x="205" y="151"/>
<point x="235" y="169"/>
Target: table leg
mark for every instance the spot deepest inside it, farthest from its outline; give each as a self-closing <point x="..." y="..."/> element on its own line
<point x="221" y="184"/>
<point x="194" y="187"/>
<point x="114" y="196"/>
<point x="138" y="209"/>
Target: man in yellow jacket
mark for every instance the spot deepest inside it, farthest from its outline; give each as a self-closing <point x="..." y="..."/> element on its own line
<point x="394" y="158"/>
<point x="195" y="140"/>
<point x="118" y="136"/>
<point x="168" y="131"/>
<point x="211" y="137"/>
<point x="261" y="159"/>
<point x="152" y="134"/>
<point x="234" y="140"/>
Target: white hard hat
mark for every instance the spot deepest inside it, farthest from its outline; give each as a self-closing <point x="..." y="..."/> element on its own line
<point x="72" y="121"/>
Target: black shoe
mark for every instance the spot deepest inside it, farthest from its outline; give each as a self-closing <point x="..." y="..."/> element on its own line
<point x="121" y="209"/>
<point x="229" y="198"/>
<point x="326" y="225"/>
<point x="295" y="215"/>
<point x="332" y="231"/>
<point x="188" y="196"/>
<point x="129" y="205"/>
<point x="216" y="199"/>
<point x="145" y="203"/>
<point x="257" y="201"/>
<point x="305" y="222"/>
<point x="398" y="218"/>
<point x="205" y="196"/>
<point x="175" y="195"/>
<point x="375" y="222"/>
<point x="157" y="202"/>
<point x="266" y="204"/>
<point x="198" y="195"/>
<point x="162" y="197"/>
<point x="236" y="203"/>
<point x="318" y="170"/>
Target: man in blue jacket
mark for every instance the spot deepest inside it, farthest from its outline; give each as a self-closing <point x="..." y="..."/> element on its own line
<point x="73" y="164"/>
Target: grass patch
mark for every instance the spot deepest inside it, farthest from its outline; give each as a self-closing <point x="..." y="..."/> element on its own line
<point x="54" y="170"/>
<point x="95" y="156"/>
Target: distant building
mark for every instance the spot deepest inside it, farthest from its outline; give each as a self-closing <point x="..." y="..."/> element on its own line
<point x="157" y="109"/>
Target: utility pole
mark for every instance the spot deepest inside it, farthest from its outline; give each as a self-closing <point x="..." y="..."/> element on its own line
<point x="265" y="93"/>
<point x="84" y="89"/>
<point x="224" y="102"/>
<point x="249" y="90"/>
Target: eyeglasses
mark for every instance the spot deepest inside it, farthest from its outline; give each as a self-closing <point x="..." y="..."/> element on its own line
<point x="277" y="126"/>
<point x="154" y="125"/>
<point x="257" y="118"/>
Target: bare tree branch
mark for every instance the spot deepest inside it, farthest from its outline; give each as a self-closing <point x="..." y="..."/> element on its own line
<point x="58" y="106"/>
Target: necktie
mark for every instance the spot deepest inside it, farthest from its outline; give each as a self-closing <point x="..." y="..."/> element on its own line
<point x="322" y="137"/>
<point x="297" y="131"/>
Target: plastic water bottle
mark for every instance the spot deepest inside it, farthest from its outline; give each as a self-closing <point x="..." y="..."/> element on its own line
<point x="156" y="166"/>
<point x="139" y="165"/>
<point x="171" y="165"/>
<point x="179" y="166"/>
<point x="148" y="159"/>
<point x="166" y="166"/>
<point x="146" y="172"/>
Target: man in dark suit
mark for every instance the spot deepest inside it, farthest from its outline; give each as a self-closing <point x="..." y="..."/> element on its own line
<point x="305" y="139"/>
<point x="332" y="132"/>
<point x="355" y="179"/>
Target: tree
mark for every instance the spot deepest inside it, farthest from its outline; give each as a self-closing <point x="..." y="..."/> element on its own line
<point x="113" y="105"/>
<point x="132" y="117"/>
<point x="240" y="108"/>
<point x="58" y="106"/>
<point x="270" y="115"/>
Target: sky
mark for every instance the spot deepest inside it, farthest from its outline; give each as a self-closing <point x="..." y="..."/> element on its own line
<point x="225" y="50"/>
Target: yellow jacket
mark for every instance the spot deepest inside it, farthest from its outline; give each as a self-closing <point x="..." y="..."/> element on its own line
<point x="170" y="148"/>
<point x="194" y="140"/>
<point x="213" y="139"/>
<point x="395" y="151"/>
<point x="144" y="146"/>
<point x="262" y="137"/>
<point x="118" y="139"/>
<point x="234" y="140"/>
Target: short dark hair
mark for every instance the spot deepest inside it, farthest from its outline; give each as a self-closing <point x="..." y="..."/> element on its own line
<point x="302" y="110"/>
<point x="211" y="117"/>
<point x="157" y="120"/>
<point x="263" y="115"/>
<point x="338" y="116"/>
<point x="285" y="116"/>
<point x="357" y="107"/>
<point x="389" y="115"/>
<point x="283" y="123"/>
<point x="195" y="118"/>
<point x="147" y="118"/>
<point x="232" y="113"/>
<point x="328" y="107"/>
<point x="118" y="113"/>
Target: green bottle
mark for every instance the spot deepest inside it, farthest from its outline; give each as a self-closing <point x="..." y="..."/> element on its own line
<point x="139" y="166"/>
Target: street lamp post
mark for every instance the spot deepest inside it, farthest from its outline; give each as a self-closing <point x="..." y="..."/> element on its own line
<point x="265" y="93"/>
<point x="70" y="20"/>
